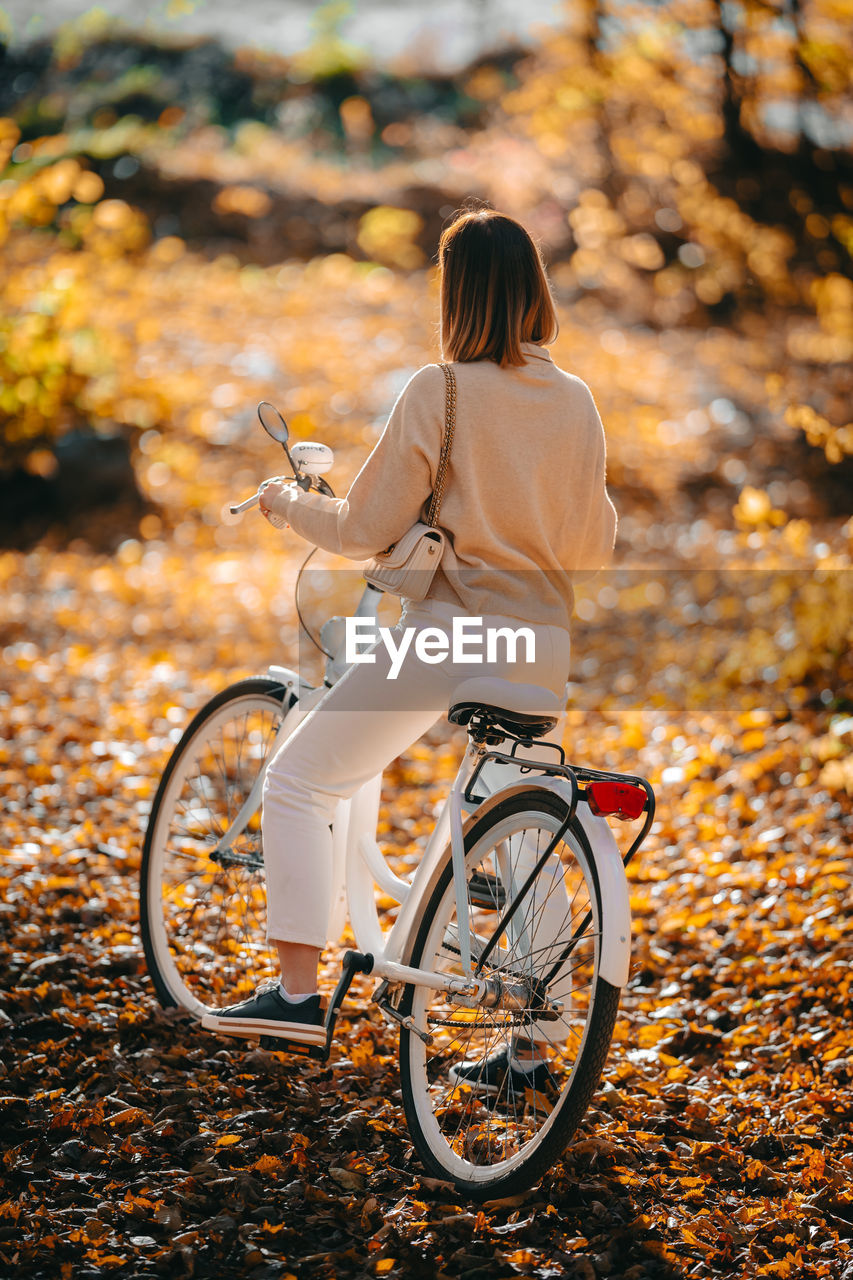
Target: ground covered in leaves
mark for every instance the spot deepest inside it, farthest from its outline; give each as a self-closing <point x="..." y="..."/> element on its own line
<point x="719" y="1143"/>
<point x="715" y="659"/>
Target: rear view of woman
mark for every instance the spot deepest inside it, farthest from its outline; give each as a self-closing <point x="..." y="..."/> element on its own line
<point x="525" y="507"/>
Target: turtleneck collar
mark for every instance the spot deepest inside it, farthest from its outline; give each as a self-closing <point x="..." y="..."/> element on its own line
<point x="535" y="351"/>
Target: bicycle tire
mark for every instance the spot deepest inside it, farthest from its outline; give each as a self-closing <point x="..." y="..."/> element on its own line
<point x="431" y="1097"/>
<point x="203" y="922"/>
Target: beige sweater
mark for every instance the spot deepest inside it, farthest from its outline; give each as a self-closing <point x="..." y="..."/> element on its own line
<point x="525" y="505"/>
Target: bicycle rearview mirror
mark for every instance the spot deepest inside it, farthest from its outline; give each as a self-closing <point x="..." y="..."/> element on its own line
<point x="272" y="422"/>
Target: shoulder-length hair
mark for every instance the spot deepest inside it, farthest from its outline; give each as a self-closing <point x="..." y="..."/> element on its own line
<point x="494" y="291"/>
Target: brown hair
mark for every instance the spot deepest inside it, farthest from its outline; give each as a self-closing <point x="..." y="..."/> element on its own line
<point x="494" y="291"/>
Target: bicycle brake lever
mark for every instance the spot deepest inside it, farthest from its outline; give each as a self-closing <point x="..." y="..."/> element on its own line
<point x="244" y="506"/>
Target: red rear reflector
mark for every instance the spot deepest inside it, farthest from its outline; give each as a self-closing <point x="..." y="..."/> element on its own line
<point x="615" y="799"/>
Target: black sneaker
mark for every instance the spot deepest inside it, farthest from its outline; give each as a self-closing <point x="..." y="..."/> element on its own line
<point x="494" y="1075"/>
<point x="269" y="1014"/>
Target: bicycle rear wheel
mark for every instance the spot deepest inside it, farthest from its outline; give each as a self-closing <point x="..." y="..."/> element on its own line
<point x="203" y="913"/>
<point x="476" y="1118"/>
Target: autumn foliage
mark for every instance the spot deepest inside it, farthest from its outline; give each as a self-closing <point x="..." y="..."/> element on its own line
<point x="275" y="242"/>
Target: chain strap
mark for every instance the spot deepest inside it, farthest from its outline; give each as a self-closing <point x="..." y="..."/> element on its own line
<point x="447" y="441"/>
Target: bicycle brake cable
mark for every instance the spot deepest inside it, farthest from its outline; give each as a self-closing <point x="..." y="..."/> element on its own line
<point x="317" y="644"/>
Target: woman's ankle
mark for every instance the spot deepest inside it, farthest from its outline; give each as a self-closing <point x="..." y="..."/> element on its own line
<point x="299" y="964"/>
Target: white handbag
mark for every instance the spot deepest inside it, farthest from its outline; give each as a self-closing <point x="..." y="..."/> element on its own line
<point x="406" y="568"/>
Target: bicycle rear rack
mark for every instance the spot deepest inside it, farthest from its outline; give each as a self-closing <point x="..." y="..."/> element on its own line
<point x="573" y="777"/>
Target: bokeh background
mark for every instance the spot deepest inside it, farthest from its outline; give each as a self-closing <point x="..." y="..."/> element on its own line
<point x="200" y="210"/>
<point x="204" y="205"/>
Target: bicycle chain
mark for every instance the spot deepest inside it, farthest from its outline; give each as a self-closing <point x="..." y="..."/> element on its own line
<point x="475" y="1026"/>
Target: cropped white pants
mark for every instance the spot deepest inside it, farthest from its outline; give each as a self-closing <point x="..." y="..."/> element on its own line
<point x="363" y="723"/>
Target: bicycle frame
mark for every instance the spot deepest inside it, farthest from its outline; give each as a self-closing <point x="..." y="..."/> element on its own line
<point x="358" y="862"/>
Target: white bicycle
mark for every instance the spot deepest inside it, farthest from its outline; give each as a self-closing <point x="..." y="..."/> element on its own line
<point x="514" y="929"/>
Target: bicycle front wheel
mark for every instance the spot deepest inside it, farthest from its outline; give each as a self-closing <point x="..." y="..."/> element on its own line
<point x="203" y="909"/>
<point x="493" y="1100"/>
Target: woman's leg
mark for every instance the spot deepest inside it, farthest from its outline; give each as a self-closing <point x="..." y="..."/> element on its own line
<point x="360" y="726"/>
<point x="363" y="723"/>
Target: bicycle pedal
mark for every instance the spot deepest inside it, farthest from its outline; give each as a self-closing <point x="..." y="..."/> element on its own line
<point x="280" y="1045"/>
<point x="486" y="890"/>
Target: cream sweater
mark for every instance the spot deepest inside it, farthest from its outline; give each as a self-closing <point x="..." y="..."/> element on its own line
<point x="525" y="505"/>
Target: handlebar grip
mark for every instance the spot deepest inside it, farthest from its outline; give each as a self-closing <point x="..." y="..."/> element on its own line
<point x="244" y="506"/>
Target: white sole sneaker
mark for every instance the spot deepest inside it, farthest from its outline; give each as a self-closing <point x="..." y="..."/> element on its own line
<point x="269" y="1013"/>
<point x="257" y="1027"/>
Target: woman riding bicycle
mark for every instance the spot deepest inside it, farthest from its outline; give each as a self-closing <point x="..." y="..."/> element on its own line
<point x="525" y="508"/>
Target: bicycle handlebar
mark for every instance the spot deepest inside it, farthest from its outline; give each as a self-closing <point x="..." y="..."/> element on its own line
<point x="304" y="482"/>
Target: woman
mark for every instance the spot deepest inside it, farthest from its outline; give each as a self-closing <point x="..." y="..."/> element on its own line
<point x="525" y="507"/>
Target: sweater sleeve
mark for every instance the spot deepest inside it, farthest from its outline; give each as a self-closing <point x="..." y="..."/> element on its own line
<point x="594" y="551"/>
<point x="391" y="490"/>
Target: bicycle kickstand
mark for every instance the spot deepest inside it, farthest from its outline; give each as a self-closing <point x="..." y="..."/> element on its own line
<point x="353" y="962"/>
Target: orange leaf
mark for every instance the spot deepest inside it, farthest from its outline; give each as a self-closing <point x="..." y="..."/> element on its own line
<point x="268" y="1164"/>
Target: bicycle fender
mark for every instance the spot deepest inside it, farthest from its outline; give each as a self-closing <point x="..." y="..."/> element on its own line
<point x="615" y="900"/>
<point x="291" y="680"/>
<point x="613" y="883"/>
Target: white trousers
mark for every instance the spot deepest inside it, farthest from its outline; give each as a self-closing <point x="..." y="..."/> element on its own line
<point x="363" y="723"/>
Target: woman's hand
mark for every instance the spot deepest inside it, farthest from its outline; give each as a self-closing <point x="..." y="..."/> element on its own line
<point x="268" y="492"/>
